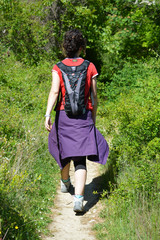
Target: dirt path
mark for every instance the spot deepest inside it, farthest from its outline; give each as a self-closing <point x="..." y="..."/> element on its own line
<point x="66" y="224"/>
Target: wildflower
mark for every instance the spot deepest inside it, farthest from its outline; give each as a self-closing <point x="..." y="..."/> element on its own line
<point x="16" y="227"/>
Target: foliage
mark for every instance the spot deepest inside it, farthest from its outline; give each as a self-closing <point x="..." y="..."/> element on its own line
<point x="24" y="31"/>
<point x="115" y="30"/>
<point x="28" y="174"/>
<point x="123" y="42"/>
<point x="129" y="219"/>
<point x="131" y="31"/>
<point x="139" y="79"/>
<point x="132" y="119"/>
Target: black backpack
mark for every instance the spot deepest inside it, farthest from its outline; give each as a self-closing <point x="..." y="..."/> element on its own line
<point x="74" y="81"/>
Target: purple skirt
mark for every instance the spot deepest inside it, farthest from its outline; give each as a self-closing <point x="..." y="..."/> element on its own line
<point x="74" y="137"/>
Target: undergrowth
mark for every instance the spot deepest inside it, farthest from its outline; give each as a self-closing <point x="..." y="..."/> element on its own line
<point x="28" y="174"/>
<point x="130" y="118"/>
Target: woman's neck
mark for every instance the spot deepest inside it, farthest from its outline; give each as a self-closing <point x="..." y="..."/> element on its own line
<point x="78" y="53"/>
<point x="77" y="56"/>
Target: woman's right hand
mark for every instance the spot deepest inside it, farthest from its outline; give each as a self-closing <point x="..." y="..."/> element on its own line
<point x="48" y="124"/>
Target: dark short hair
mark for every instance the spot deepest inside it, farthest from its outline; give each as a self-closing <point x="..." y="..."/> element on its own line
<point x="73" y="40"/>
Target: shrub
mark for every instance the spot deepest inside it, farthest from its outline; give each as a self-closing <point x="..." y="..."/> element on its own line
<point x="27" y="171"/>
<point x="132" y="122"/>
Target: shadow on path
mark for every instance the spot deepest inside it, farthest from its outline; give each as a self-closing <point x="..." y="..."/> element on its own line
<point x="96" y="187"/>
<point x="92" y="193"/>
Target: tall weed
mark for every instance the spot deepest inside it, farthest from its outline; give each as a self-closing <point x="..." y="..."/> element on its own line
<point x="131" y="118"/>
<point x="28" y="174"/>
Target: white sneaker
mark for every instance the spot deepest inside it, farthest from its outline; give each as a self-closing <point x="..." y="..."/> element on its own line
<point x="65" y="186"/>
<point x="78" y="204"/>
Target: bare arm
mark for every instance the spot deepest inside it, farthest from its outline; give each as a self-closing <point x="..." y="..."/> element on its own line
<point x="94" y="92"/>
<point x="53" y="95"/>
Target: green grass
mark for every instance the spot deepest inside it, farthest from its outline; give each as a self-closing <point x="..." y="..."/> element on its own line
<point x="138" y="219"/>
<point x="28" y="173"/>
<point x="130" y="121"/>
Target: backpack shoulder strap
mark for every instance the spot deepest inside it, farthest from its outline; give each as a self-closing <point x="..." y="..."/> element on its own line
<point x="64" y="69"/>
<point x="86" y="63"/>
<point x="62" y="66"/>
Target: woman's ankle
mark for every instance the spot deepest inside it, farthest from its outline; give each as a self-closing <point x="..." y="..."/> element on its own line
<point x="78" y="195"/>
<point x="65" y="180"/>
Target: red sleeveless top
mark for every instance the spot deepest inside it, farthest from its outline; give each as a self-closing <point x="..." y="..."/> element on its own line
<point x="91" y="73"/>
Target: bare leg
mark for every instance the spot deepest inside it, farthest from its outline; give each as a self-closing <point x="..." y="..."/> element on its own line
<point x="65" y="172"/>
<point x="80" y="180"/>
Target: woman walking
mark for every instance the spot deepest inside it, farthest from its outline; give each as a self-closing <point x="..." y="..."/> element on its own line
<point x="73" y="135"/>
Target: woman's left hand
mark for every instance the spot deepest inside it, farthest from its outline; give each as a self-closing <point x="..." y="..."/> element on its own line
<point x="48" y="124"/>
